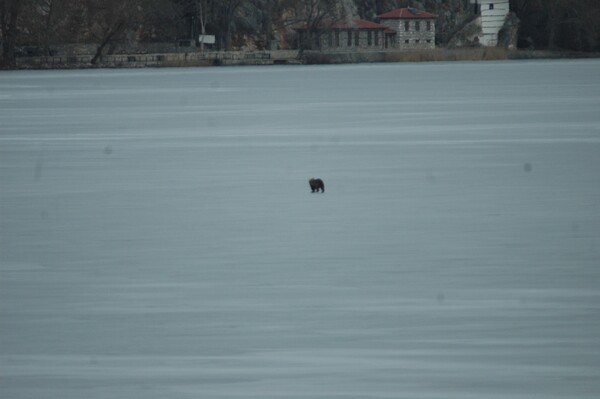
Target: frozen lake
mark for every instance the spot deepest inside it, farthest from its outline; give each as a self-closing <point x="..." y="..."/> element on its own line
<point x="158" y="238"/>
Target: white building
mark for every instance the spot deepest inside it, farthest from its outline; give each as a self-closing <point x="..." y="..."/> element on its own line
<point x="492" y="14"/>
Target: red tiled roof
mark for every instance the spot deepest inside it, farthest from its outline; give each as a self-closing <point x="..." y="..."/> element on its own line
<point x="362" y="24"/>
<point x="407" y="13"/>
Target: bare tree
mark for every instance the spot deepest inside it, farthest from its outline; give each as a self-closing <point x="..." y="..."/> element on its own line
<point x="110" y="19"/>
<point x="312" y="14"/>
<point x="48" y="8"/>
<point x="9" y="17"/>
<point x="160" y="20"/>
<point x="225" y="13"/>
<point x="43" y="22"/>
<point x="196" y="16"/>
<point x="204" y="11"/>
<point x="555" y="24"/>
<point x="269" y="16"/>
<point x="580" y="25"/>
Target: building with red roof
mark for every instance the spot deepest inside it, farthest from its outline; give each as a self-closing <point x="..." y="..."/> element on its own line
<point x="415" y="29"/>
<point x="406" y="13"/>
<point x="404" y="28"/>
<point x="345" y="35"/>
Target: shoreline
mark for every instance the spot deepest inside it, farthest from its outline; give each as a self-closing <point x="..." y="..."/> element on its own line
<point x="286" y="57"/>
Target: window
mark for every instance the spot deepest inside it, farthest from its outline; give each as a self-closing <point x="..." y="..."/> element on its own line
<point x="406" y="26"/>
<point x="417" y="25"/>
<point x="357" y="38"/>
<point x="329" y="39"/>
<point x="376" y="38"/>
<point x="349" y="38"/>
<point x="428" y="25"/>
<point x="491" y="6"/>
<point x="337" y="38"/>
<point x="406" y="41"/>
<point x="369" y="34"/>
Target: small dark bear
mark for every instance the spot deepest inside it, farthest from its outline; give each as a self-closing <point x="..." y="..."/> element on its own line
<point x="316" y="185"/>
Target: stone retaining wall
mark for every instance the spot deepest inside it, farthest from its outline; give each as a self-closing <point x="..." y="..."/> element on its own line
<point x="162" y="60"/>
<point x="287" y="57"/>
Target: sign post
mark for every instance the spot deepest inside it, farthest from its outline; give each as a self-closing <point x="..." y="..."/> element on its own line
<point x="207" y="39"/>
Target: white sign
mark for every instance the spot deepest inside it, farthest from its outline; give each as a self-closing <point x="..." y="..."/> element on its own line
<point x="207" y="39"/>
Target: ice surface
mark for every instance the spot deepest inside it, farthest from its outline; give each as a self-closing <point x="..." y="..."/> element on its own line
<point x="158" y="237"/>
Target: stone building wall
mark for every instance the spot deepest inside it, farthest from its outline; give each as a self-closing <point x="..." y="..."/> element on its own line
<point x="412" y="33"/>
